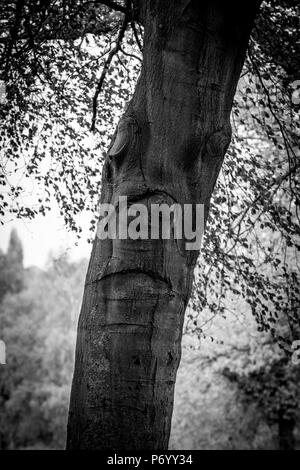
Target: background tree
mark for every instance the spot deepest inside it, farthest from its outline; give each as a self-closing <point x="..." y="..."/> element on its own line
<point x="274" y="389"/>
<point x="39" y="331"/>
<point x="11" y="267"/>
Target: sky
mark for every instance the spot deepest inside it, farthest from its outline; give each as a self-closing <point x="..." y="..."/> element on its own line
<point x="45" y="236"/>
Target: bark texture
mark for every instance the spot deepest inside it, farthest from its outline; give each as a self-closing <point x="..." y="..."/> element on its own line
<point x="169" y="148"/>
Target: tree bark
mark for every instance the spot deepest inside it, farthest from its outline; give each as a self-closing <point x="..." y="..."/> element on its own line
<point x="177" y="130"/>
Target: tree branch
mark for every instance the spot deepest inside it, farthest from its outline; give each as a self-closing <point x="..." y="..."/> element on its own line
<point x="108" y="61"/>
<point x="136" y="36"/>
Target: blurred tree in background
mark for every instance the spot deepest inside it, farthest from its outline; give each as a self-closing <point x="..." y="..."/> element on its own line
<point x="38" y="315"/>
<point x="274" y="388"/>
<point x="11" y="267"/>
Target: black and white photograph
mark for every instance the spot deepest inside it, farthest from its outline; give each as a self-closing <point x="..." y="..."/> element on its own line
<point x="149" y="229"/>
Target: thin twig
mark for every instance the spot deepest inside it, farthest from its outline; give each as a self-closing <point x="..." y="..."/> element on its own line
<point x="136" y="36"/>
<point x="129" y="54"/>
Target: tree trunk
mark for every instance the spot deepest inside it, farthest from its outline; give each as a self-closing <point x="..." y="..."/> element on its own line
<point x="169" y="148"/>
